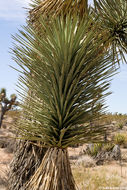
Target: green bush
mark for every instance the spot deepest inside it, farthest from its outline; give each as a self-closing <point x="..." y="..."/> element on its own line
<point x="120" y="139"/>
<point x="108" y="147"/>
<point x="120" y="125"/>
<point x="98" y="147"/>
<point x="95" y="149"/>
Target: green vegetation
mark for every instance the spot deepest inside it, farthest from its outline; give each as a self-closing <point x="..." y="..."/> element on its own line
<point x="120" y="139"/>
<point x="108" y="147"/>
<point x="99" y="147"/>
<point x="120" y="125"/>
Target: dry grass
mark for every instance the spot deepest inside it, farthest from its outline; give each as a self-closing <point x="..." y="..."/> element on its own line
<point x="121" y="119"/>
<point x="13" y="114"/>
<point x="98" y="178"/>
<point x="86" y="161"/>
<point x="3" y="179"/>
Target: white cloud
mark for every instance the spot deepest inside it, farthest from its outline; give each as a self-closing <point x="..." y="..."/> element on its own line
<point x="13" y="9"/>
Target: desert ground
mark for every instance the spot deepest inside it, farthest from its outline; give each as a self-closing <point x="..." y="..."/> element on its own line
<point x="111" y="174"/>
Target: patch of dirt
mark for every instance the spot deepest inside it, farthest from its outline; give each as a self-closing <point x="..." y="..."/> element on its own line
<point x="6" y="151"/>
<point x="5" y="159"/>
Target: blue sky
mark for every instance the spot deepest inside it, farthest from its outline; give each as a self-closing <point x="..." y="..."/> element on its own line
<point x="12" y="16"/>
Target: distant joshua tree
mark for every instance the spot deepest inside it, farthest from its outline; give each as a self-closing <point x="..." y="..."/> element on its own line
<point x="6" y="104"/>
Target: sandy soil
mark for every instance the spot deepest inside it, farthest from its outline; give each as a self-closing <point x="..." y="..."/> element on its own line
<point x="5" y="159"/>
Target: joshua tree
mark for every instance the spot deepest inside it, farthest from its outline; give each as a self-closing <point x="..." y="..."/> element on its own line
<point x="27" y="154"/>
<point x="6" y="104"/>
<point x="72" y="63"/>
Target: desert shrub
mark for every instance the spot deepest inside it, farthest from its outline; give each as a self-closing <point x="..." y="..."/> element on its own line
<point x="120" y="125"/>
<point x="13" y="113"/>
<point x="103" y="152"/>
<point x="109" y="118"/>
<point x="8" y="144"/>
<point x="120" y="139"/>
<point x="94" y="149"/>
<point x="86" y="161"/>
<point x="108" y="147"/>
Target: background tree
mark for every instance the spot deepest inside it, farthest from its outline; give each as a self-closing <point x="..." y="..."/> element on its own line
<point x="6" y="104"/>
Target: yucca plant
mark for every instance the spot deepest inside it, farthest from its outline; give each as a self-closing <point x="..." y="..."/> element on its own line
<point x="112" y="18"/>
<point x="71" y="63"/>
<point x="18" y="175"/>
<point x="69" y="72"/>
<point x="52" y="8"/>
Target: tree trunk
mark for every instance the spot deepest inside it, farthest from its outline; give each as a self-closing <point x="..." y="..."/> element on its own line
<point x="54" y="172"/>
<point x="1" y="119"/>
<point x="2" y="116"/>
<point x="26" y="161"/>
<point x="3" y="111"/>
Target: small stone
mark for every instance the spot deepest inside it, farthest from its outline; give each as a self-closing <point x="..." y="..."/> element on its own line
<point x="116" y="152"/>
